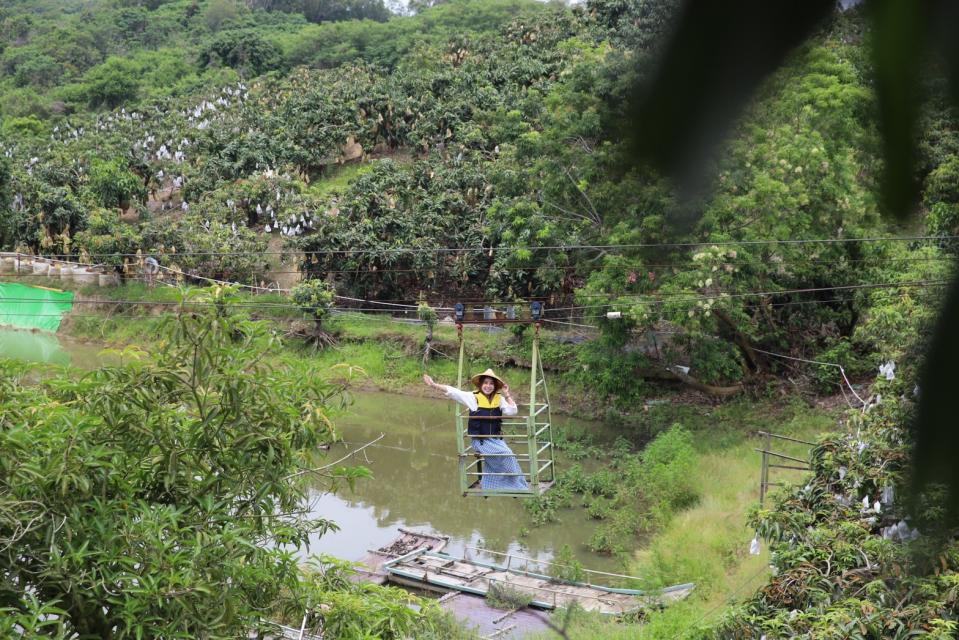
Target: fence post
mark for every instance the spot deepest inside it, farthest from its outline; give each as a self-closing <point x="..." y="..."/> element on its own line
<point x="764" y="474"/>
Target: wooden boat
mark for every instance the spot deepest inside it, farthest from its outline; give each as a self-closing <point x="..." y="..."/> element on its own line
<point x="426" y="569"/>
<point x="369" y="568"/>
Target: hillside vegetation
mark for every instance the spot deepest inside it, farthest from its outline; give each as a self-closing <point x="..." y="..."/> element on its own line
<point x="488" y="132"/>
<point x="475" y="151"/>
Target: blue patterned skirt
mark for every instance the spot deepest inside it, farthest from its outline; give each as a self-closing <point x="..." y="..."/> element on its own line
<point x="499" y="464"/>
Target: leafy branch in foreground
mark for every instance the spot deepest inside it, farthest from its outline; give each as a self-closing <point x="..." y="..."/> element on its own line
<point x="143" y="499"/>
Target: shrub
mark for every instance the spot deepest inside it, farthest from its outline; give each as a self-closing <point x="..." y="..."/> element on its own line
<point x="314" y="297"/>
<point x="112" y="83"/>
<point x="143" y="500"/>
<point x="113" y="184"/>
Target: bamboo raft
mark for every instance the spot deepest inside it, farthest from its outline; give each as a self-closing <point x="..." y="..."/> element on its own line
<point x="426" y="569"/>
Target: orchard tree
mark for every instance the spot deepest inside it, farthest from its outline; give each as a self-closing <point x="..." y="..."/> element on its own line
<point x="113" y="184"/>
<point x="242" y="49"/>
<point x="156" y="498"/>
<point x="315" y="297"/>
<point x="112" y="83"/>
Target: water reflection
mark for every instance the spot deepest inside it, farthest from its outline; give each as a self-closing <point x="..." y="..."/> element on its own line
<point x="32" y="346"/>
<point x="35" y="346"/>
<point x="416" y="485"/>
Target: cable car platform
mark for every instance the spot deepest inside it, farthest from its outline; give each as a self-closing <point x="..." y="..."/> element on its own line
<point x="437" y="571"/>
<point x="475" y="490"/>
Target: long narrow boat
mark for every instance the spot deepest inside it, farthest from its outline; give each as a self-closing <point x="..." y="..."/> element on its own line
<point x="369" y="567"/>
<point x="427" y="569"/>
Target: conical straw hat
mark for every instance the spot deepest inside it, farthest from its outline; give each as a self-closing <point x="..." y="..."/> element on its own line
<point x="478" y="378"/>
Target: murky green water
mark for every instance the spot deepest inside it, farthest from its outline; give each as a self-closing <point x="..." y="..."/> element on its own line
<point x="416" y="485"/>
<point x="35" y="346"/>
<point x="415" y="475"/>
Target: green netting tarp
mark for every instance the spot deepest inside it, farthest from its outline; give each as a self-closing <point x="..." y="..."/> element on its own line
<point x="33" y="307"/>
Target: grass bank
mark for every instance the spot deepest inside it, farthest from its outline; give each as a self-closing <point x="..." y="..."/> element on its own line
<point x="389" y="350"/>
<point x="708" y="543"/>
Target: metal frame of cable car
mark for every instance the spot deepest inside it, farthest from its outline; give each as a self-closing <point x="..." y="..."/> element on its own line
<point x="537" y="461"/>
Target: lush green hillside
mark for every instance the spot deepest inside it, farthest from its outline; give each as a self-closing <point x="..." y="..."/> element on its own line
<point x="485" y="126"/>
<point x="476" y="151"/>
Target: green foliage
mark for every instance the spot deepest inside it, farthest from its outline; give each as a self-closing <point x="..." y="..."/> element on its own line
<point x="315" y="297"/>
<point x="23" y="127"/>
<point x="503" y="596"/>
<point x="146" y="499"/>
<point x="567" y="567"/>
<point x="651" y="487"/>
<point x="391" y="212"/>
<point x="220" y="12"/>
<point x="942" y="198"/>
<point x="854" y="363"/>
<point x="575" y="444"/>
<point x="51" y="208"/>
<point x="636" y="492"/>
<point x="329" y="10"/>
<point x="113" y="184"/>
<point x="341" y="608"/>
<point x="613" y="370"/>
<point x="112" y="83"/>
<point x="106" y="235"/>
<point x="847" y="556"/>
<point x="427" y="316"/>
<point x="640" y="24"/>
<point x="244" y="50"/>
<point x="207" y="247"/>
<point x="386" y="44"/>
<point x="897" y="321"/>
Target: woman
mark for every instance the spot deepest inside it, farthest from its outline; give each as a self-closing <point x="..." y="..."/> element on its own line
<point x="487" y="405"/>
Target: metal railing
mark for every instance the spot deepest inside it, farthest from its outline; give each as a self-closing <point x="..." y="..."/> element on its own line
<point x="511" y="556"/>
<point x="767" y="452"/>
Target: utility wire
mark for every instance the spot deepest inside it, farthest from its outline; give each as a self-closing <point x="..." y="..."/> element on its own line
<point x="366" y="272"/>
<point x="677" y="296"/>
<point x="571" y="247"/>
<point x="687" y="299"/>
<point x="680" y="297"/>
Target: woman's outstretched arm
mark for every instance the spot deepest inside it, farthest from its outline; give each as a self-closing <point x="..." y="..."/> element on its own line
<point x="465" y="398"/>
<point x="432" y="383"/>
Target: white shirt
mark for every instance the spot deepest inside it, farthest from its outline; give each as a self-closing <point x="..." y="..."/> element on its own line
<point x="467" y="399"/>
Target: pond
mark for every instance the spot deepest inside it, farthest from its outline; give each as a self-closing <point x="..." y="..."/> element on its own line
<point x="414" y="466"/>
<point x="416" y="485"/>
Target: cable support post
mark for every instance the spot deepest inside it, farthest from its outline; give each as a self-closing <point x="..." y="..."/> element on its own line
<point x="780" y="455"/>
<point x="790" y="439"/>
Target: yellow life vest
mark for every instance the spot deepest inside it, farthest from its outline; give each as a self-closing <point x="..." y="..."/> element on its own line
<point x="480" y="423"/>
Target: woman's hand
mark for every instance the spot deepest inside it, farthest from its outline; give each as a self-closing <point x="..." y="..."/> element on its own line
<point x="505" y="392"/>
<point x="429" y="381"/>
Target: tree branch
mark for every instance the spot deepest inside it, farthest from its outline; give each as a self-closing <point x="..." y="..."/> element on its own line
<point x="335" y="462"/>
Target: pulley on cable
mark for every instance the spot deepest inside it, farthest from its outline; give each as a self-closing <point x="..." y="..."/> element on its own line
<point x="490" y="444"/>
